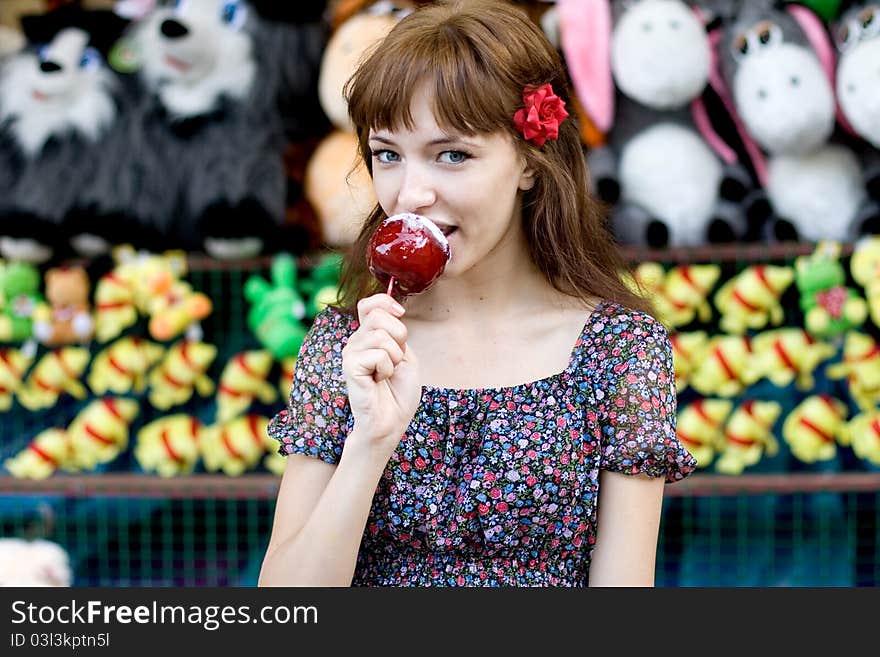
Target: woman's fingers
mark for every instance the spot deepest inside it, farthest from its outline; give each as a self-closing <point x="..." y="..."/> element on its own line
<point x="379" y="339"/>
<point x="368" y="304"/>
<point x="378" y="363"/>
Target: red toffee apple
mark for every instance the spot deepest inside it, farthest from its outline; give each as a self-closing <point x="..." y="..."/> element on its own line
<point x="408" y="253"/>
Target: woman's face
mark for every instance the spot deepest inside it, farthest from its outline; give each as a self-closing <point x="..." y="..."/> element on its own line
<point x="467" y="185"/>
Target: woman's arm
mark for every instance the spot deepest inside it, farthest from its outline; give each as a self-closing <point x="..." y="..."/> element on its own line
<point x="320" y="517"/>
<point x="628" y="522"/>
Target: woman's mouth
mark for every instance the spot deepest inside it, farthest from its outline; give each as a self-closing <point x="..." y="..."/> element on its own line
<point x="446" y="229"/>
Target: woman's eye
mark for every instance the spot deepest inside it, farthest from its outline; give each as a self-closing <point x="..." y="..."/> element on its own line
<point x="385" y="156"/>
<point x="454" y="157"/>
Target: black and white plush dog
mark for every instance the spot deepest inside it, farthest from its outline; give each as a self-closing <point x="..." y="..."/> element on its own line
<point x="217" y="73"/>
<point x="56" y="104"/>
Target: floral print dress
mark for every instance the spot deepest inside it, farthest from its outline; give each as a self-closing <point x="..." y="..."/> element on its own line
<point x="499" y="486"/>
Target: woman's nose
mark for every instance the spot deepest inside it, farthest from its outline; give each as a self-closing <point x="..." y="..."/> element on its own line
<point x="416" y="191"/>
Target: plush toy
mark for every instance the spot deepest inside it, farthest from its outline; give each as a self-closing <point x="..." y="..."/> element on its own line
<point x="863" y="434"/>
<point x="170" y="445"/>
<point x="243" y="379"/>
<point x="67" y="318"/>
<point x="699" y="427"/>
<point x="58" y="101"/>
<point x="861" y="368"/>
<point x="778" y="65"/>
<point x="56" y="373"/>
<point x="683" y="297"/>
<point x="235" y="445"/>
<point x="277" y="308"/>
<point x="50" y="450"/>
<point x="122" y="366"/>
<point x="687" y="353"/>
<point x="175" y="309"/>
<point x="181" y="370"/>
<point x="321" y="285"/>
<point x="865" y="269"/>
<point x="784" y="356"/>
<point x="115" y="309"/>
<point x="674" y="180"/>
<point x="722" y="368"/>
<point x="13" y="365"/>
<point x="226" y="88"/>
<point x="99" y="432"/>
<point x="337" y="184"/>
<point x="32" y="563"/>
<point x="751" y="299"/>
<point x="19" y="298"/>
<point x="830" y="308"/>
<point x="858" y="38"/>
<point x="748" y="436"/>
<point x="812" y="427"/>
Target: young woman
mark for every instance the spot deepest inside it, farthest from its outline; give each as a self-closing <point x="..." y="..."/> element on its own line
<point x="514" y="424"/>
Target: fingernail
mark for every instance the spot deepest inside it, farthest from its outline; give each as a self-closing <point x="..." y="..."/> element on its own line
<point x="398" y="308"/>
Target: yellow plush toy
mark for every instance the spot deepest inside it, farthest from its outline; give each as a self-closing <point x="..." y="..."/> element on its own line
<point x="748" y="436"/>
<point x="861" y="367"/>
<point x="243" y="379"/>
<point x="114" y="307"/>
<point x="182" y="369"/>
<point x="720" y="372"/>
<point x="699" y="427"/>
<point x="236" y="445"/>
<point x="99" y="432"/>
<point x="865" y="268"/>
<point x="750" y="299"/>
<point x="687" y="353"/>
<point x="785" y="355"/>
<point x="811" y="428"/>
<point x="863" y="433"/>
<point x="13" y="365"/>
<point x="49" y="451"/>
<point x="173" y="310"/>
<point x="683" y="298"/>
<point x="122" y="367"/>
<point x="169" y="446"/>
<point x="56" y="373"/>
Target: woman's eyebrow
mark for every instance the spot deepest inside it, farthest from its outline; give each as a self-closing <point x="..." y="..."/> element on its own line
<point x="434" y="142"/>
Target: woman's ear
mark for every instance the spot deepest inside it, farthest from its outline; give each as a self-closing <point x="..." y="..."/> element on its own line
<point x="527" y="179"/>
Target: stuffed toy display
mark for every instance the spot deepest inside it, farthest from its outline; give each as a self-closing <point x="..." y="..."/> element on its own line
<point x="677" y="181"/>
<point x="55" y="374"/>
<point x="785" y="356"/>
<point x="751" y="299"/>
<point x="700" y="425"/>
<point x="863" y="434"/>
<point x="170" y="446"/>
<point x="857" y="35"/>
<point x="122" y="367"/>
<point x="865" y="268"/>
<point x="215" y="75"/>
<point x="58" y="102"/>
<point x="722" y="370"/>
<point x="13" y="365"/>
<point x="861" y="369"/>
<point x="687" y="352"/>
<point x="778" y="74"/>
<point x="181" y="372"/>
<point x="19" y="297"/>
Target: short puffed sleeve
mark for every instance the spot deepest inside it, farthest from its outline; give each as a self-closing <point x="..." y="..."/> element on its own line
<point x="318" y="417"/>
<point x="635" y="394"/>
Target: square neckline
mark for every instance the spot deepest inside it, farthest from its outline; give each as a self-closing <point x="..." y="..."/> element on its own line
<point x="588" y="323"/>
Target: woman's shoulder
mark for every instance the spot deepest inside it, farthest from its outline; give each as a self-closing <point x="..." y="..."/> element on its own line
<point x="612" y="321"/>
<point x="332" y="323"/>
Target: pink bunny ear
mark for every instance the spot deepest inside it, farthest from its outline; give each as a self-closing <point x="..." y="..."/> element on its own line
<point x="585" y="35"/>
<point x="821" y="43"/>
<point x="716" y="81"/>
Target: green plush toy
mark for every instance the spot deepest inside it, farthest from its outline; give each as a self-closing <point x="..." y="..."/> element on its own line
<point x="277" y="308"/>
<point x="19" y="297"/>
<point x="829" y="307"/>
<point x="321" y="286"/>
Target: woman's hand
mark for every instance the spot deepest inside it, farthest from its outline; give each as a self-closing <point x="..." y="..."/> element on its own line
<point x="381" y="373"/>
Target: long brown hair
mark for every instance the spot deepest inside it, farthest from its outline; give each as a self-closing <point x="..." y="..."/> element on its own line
<point x="478" y="56"/>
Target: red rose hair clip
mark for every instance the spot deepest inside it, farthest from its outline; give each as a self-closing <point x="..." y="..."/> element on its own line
<point x="539" y="120"/>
